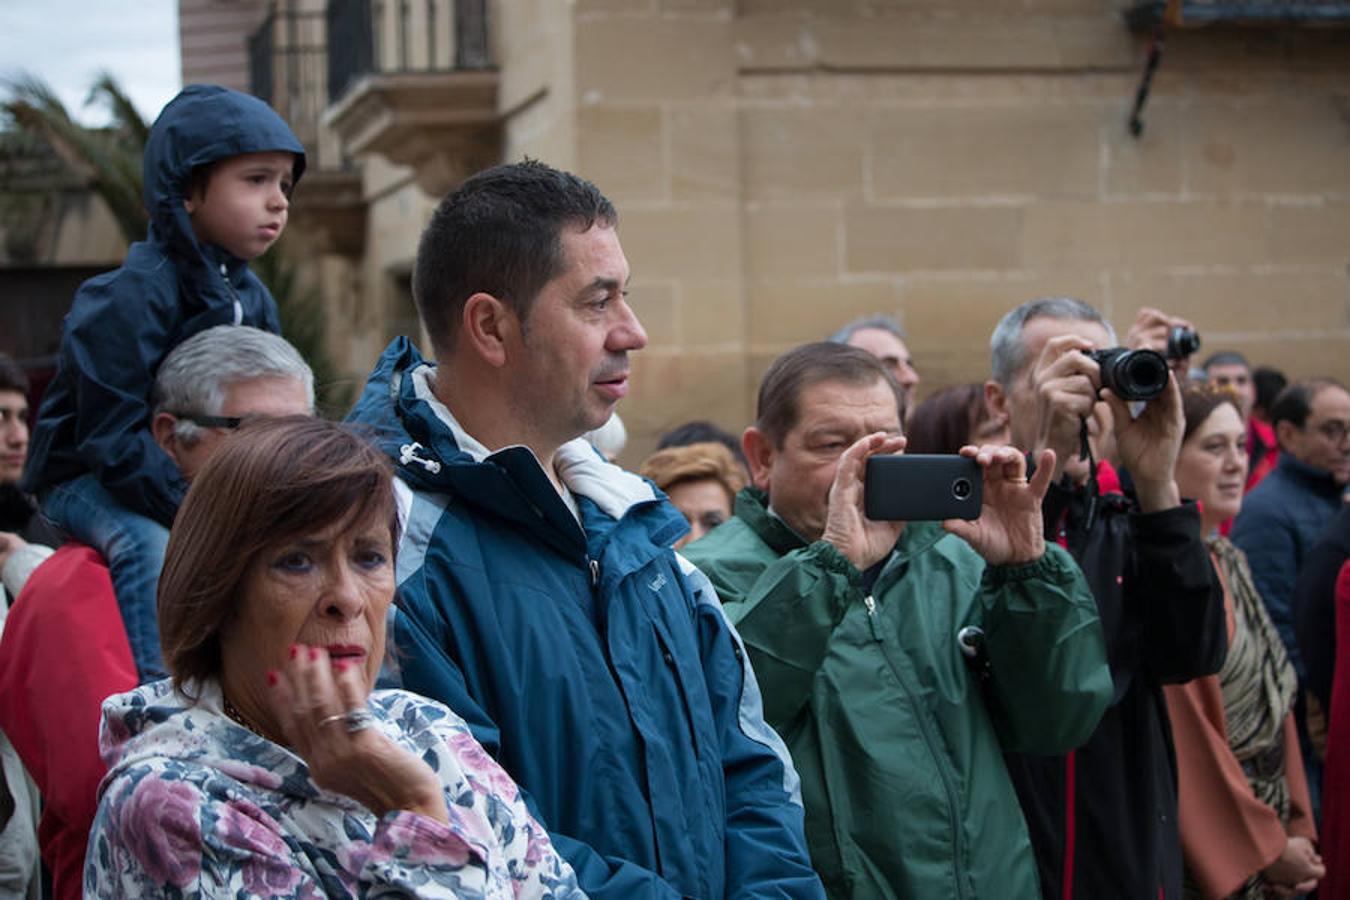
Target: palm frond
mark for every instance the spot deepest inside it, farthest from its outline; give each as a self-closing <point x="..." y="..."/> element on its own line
<point x="34" y="91"/>
<point x="107" y="161"/>
<point x="126" y="118"/>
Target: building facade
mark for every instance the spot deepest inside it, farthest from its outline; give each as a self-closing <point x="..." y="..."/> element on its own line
<point x="782" y="166"/>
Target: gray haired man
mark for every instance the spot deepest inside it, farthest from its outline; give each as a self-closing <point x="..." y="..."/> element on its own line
<point x="883" y="337"/>
<point x="217" y="378"/>
<point x="204" y="388"/>
<point x="1103" y="818"/>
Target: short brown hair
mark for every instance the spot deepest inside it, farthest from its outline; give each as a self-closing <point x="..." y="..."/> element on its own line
<point x="501" y="233"/>
<point x="694" y="462"/>
<point x="800" y="368"/>
<point x="1199" y="402"/>
<point x="273" y="480"/>
<point x="12" y="377"/>
<point x="1294" y="403"/>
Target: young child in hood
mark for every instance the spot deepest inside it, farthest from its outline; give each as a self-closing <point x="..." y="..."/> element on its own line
<point x="219" y="168"/>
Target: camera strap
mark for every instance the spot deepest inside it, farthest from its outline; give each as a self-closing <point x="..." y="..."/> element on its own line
<point x="1085" y="452"/>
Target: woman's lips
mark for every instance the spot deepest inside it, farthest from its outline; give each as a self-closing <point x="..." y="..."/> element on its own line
<point x="345" y="651"/>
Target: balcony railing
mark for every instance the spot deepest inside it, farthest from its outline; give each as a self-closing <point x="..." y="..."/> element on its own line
<point x="288" y="67"/>
<point x="411" y="80"/>
<point x="403" y="36"/>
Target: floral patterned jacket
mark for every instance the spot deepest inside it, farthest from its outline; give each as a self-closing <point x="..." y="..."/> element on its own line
<point x="197" y="806"/>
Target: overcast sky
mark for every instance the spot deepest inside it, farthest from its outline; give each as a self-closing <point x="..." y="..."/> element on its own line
<point x="67" y="42"/>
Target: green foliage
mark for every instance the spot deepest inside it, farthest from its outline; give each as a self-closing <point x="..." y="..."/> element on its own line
<point x="108" y="160"/>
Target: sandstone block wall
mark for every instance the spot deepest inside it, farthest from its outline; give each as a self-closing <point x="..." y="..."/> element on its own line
<point x="781" y="166"/>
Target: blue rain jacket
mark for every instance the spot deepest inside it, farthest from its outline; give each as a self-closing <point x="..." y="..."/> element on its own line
<point x="95" y="416"/>
<point x="592" y="662"/>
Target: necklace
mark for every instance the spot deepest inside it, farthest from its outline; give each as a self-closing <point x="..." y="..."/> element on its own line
<point x="233" y="712"/>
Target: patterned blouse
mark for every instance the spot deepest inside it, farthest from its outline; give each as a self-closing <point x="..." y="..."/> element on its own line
<point x="195" y="805"/>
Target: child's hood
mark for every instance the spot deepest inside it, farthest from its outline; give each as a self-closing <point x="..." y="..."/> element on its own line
<point x="203" y="124"/>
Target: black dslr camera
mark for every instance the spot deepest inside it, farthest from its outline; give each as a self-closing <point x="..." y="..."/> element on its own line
<point x="1182" y="342"/>
<point x="1132" y="374"/>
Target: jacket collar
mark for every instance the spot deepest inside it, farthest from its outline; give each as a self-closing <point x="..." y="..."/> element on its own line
<point x="1317" y="480"/>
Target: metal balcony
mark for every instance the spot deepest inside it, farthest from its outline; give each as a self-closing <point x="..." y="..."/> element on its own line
<point x="412" y="81"/>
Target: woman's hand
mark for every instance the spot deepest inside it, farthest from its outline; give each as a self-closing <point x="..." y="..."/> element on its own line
<point x="310" y="697"/>
<point x="1296" y="870"/>
<point x="1009" y="530"/>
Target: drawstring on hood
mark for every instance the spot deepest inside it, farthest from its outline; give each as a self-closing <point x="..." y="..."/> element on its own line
<point x="408" y="454"/>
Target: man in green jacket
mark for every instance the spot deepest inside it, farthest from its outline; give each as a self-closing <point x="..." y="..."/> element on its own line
<point x="852" y="628"/>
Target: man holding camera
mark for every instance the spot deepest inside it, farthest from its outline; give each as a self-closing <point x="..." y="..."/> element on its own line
<point x="1103" y="817"/>
<point x="899" y="661"/>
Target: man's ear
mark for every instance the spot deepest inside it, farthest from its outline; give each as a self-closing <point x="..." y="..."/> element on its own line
<point x="996" y="401"/>
<point x="485" y="328"/>
<point x="161" y="427"/>
<point x="759" y="453"/>
<point x="1285" y="432"/>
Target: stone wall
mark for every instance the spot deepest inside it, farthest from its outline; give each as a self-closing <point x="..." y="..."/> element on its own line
<point x="781" y="166"/>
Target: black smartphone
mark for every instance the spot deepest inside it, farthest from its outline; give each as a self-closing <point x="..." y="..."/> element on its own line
<point x="920" y="487"/>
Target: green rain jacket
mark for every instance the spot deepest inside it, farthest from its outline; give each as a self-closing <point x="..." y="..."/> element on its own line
<point x="896" y="734"/>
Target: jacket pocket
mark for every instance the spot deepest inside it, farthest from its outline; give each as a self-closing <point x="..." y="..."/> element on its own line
<point x="677" y="682"/>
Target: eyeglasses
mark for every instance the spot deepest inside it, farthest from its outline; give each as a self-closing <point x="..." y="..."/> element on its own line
<point x="1334" y="430"/>
<point x="211" y="421"/>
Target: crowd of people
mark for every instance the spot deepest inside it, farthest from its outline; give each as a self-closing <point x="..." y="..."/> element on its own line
<point x="450" y="648"/>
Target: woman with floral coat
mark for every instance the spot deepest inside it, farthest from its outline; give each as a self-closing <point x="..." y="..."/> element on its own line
<point x="266" y="767"/>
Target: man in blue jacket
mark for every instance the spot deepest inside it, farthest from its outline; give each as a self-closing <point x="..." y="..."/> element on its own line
<point x="538" y="594"/>
<point x="1285" y="515"/>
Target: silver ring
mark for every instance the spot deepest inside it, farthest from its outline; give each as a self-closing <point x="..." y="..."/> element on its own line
<point x="329" y="720"/>
<point x="358" y="720"/>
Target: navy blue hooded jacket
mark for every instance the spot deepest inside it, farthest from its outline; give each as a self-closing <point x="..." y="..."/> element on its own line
<point x="592" y="662"/>
<point x="95" y="416"/>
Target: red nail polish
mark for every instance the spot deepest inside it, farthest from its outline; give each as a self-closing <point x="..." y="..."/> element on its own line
<point x="313" y="654"/>
<point x="272" y="678"/>
<point x="294" y="650"/>
<point x="341" y="665"/>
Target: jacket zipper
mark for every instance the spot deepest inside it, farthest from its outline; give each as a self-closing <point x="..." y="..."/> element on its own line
<point x="234" y="295"/>
<point x="921" y="715"/>
<point x="593" y="565"/>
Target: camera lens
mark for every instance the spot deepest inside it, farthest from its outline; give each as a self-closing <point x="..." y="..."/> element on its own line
<point x="1132" y="374"/>
<point x="961" y="488"/>
<point x="1182" y="342"/>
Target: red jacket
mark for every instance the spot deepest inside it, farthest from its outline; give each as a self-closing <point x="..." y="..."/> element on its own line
<point x="63" y="651"/>
<point x="1336" y="774"/>
<point x="1262" y="451"/>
